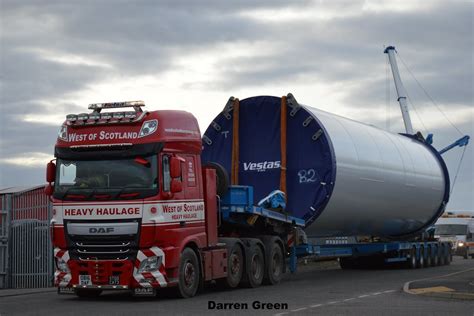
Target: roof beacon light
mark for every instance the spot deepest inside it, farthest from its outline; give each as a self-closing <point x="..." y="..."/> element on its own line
<point x="94" y="116"/>
<point x="118" y="115"/>
<point x="130" y="115"/>
<point x="71" y="118"/>
<point x="83" y="117"/>
<point x="114" y="105"/>
<point x="106" y="116"/>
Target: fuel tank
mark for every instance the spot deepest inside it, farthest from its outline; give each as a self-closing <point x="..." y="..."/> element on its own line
<point x="343" y="177"/>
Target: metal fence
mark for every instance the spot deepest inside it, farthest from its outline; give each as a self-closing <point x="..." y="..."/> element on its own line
<point x="26" y="255"/>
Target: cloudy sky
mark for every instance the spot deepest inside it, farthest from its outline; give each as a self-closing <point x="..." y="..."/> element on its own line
<point x="57" y="57"/>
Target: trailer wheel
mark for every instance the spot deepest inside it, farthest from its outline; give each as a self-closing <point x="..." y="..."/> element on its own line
<point x="255" y="266"/>
<point x="447" y="260"/>
<point x="274" y="267"/>
<point x="222" y="181"/>
<point x="189" y="274"/>
<point x="428" y="261"/>
<point x="412" y="260"/>
<point x="439" y="257"/>
<point x="346" y="263"/>
<point x="88" y="293"/>
<point x="420" y="260"/>
<point x="235" y="267"/>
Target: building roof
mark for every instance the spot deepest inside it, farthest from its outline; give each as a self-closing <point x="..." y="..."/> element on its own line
<point x="19" y="189"/>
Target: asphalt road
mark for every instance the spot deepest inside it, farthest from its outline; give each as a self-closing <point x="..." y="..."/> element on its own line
<point x="316" y="289"/>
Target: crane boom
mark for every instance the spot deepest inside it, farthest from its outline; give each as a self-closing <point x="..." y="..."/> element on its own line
<point x="402" y="97"/>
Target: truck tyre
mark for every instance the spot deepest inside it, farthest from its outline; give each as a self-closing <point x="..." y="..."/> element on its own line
<point x="222" y="178"/>
<point x="420" y="260"/>
<point x="448" y="256"/>
<point x="274" y="263"/>
<point x="235" y="266"/>
<point x="466" y="256"/>
<point x="254" y="265"/>
<point x="189" y="274"/>
<point x="88" y="293"/>
<point x="428" y="261"/>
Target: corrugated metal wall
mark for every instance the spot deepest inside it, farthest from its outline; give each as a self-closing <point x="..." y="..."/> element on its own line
<point x="27" y="260"/>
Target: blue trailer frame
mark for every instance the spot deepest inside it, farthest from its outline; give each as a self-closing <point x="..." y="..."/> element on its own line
<point x="239" y="200"/>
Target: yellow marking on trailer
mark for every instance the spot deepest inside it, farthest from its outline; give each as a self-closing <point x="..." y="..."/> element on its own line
<point x="435" y="289"/>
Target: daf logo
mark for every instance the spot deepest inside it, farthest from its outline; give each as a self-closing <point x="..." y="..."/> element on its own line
<point x="101" y="230"/>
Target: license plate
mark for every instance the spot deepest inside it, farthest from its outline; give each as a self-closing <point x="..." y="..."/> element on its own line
<point x="114" y="280"/>
<point x="144" y="292"/>
<point x="85" y="279"/>
<point x="65" y="290"/>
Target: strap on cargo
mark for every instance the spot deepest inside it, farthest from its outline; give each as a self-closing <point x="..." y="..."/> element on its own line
<point x="235" y="141"/>
<point x="293" y="104"/>
<point x="228" y="108"/>
<point x="283" y="121"/>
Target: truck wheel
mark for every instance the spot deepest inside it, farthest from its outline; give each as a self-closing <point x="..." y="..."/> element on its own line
<point x="189" y="274"/>
<point x="88" y="293"/>
<point x="275" y="263"/>
<point x="448" y="256"/>
<point x="466" y="254"/>
<point x="235" y="267"/>
<point x="420" y="260"/>
<point x="222" y="181"/>
<point x="255" y="266"/>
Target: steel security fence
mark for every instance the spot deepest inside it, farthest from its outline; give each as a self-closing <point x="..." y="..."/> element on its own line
<point x="26" y="255"/>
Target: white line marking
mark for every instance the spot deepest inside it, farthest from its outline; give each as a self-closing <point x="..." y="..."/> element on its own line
<point x="280" y="314"/>
<point x="377" y="293"/>
<point x="333" y="302"/>
<point x="349" y="299"/>
<point x="299" y="309"/>
<point x="362" y="296"/>
<point x="316" y="305"/>
<point x="389" y="291"/>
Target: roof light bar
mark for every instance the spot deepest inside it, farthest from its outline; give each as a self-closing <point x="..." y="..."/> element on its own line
<point x="114" y="105"/>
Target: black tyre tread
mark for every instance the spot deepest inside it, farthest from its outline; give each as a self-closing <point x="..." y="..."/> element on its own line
<point x="182" y="291"/>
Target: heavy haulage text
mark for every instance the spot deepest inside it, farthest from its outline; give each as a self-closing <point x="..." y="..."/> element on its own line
<point x="256" y="305"/>
<point x="102" y="211"/>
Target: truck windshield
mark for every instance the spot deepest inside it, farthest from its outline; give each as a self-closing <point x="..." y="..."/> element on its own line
<point x="451" y="229"/>
<point x="109" y="177"/>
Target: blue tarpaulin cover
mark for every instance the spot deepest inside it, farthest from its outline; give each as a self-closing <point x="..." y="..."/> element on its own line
<point x="310" y="163"/>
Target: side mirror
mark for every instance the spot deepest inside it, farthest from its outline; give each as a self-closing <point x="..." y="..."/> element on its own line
<point x="48" y="189"/>
<point x="176" y="186"/>
<point x="175" y="167"/>
<point x="50" y="172"/>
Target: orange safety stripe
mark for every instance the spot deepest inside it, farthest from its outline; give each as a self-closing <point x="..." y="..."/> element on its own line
<point x="235" y="144"/>
<point x="283" y="145"/>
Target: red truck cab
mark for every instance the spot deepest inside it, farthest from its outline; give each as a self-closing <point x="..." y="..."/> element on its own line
<point x="132" y="206"/>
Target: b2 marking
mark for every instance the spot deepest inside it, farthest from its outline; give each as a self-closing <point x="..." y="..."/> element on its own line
<point x="307" y="176"/>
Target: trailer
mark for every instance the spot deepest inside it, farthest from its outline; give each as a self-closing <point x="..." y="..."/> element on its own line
<point x="351" y="254"/>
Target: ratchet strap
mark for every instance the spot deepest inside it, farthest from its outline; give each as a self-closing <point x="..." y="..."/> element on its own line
<point x="235" y="144"/>
<point x="283" y="146"/>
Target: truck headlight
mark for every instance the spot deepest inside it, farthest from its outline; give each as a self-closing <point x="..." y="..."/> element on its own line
<point x="62" y="266"/>
<point x="460" y="244"/>
<point x="150" y="264"/>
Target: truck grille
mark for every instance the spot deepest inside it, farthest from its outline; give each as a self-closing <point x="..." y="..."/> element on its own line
<point x="97" y="247"/>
